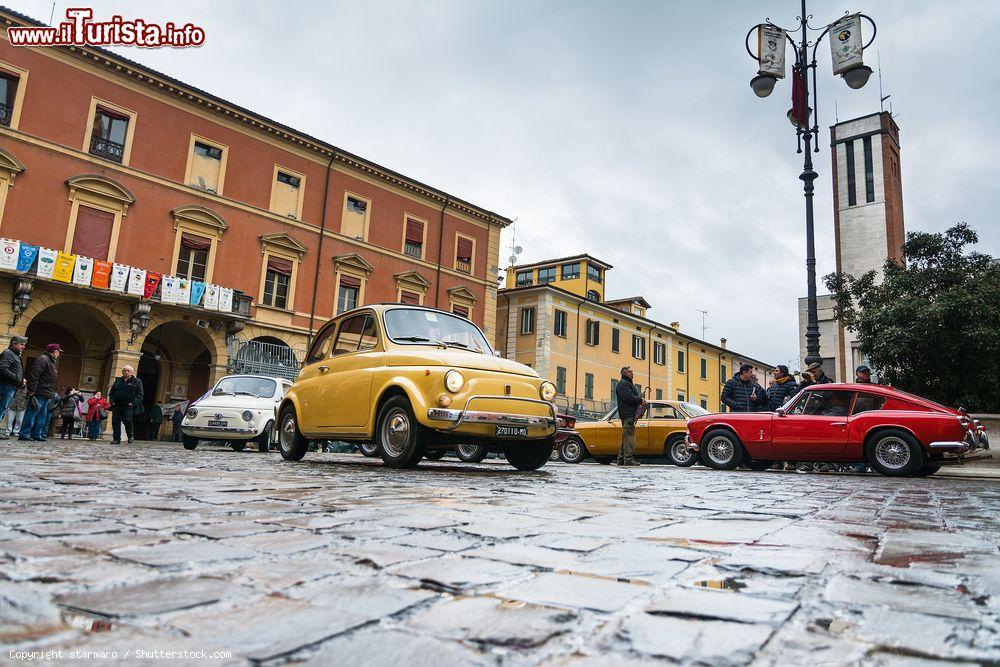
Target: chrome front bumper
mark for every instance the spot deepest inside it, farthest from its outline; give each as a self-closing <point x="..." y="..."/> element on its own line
<point x="693" y="446"/>
<point x="465" y="416"/>
<point x="194" y="430"/>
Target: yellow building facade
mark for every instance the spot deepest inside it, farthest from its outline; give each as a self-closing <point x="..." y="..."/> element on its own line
<point x="553" y="316"/>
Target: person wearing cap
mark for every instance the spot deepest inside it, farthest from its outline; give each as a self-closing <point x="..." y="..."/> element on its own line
<point x="863" y="375"/>
<point x="813" y="374"/>
<point x="742" y="394"/>
<point x="41" y="390"/>
<point x="11" y="375"/>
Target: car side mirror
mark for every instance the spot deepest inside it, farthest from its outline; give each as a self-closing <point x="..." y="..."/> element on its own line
<point x="780" y="412"/>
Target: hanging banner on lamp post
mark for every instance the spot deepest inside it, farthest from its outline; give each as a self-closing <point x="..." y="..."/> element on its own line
<point x="845" y="43"/>
<point x="771" y="50"/>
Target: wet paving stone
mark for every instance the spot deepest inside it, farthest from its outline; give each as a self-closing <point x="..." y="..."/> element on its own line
<point x="339" y="560"/>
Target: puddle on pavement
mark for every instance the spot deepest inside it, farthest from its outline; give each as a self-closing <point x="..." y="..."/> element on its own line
<point x="727" y="584"/>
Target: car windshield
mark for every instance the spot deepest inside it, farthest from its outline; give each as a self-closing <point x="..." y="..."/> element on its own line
<point x="245" y="386"/>
<point x="413" y="326"/>
<point x="694" y="410"/>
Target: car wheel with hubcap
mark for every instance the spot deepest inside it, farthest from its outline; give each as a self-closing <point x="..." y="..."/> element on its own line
<point x="369" y="449"/>
<point x="435" y="454"/>
<point x="573" y="450"/>
<point x="291" y="443"/>
<point x="894" y="453"/>
<point x="398" y="434"/>
<point x="189" y="442"/>
<point x="471" y="453"/>
<point x="721" y="450"/>
<point x="530" y="455"/>
<point x="264" y="439"/>
<point x="238" y="445"/>
<point x="680" y="454"/>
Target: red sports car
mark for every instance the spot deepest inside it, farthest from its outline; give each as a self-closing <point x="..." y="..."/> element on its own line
<point x="896" y="433"/>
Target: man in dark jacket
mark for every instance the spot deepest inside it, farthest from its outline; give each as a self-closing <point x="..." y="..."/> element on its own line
<point x="629" y="402"/>
<point x="11" y="373"/>
<point x="125" y="396"/>
<point x="863" y="375"/>
<point x="41" y="388"/>
<point x="741" y="393"/>
<point x="813" y="374"/>
<point x="784" y="388"/>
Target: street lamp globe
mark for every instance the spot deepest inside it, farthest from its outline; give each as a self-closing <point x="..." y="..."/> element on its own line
<point x="763" y="84"/>
<point x="857" y="77"/>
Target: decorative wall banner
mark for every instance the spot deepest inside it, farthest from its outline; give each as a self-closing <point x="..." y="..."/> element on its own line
<point x="211" y="297"/>
<point x="771" y="50"/>
<point x="226" y="299"/>
<point x="26" y="256"/>
<point x="63" y="271"/>
<point x="9" y="250"/>
<point x="845" y="43"/>
<point x="83" y="271"/>
<point x="183" y="291"/>
<point x="102" y="274"/>
<point x="168" y="289"/>
<point x="136" y="281"/>
<point x="46" y="262"/>
<point x="197" y="290"/>
<point x="152" y="282"/>
<point x="119" y="277"/>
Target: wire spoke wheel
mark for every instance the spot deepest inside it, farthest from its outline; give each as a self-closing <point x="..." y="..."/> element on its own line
<point x="893" y="453"/>
<point x="720" y="449"/>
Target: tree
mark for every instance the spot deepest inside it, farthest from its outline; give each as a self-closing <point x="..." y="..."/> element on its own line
<point x="932" y="325"/>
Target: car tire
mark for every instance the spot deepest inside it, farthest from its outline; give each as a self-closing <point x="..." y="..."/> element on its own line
<point x="721" y="450"/>
<point x="572" y="450"/>
<point x="291" y="443"/>
<point x="927" y="471"/>
<point x="556" y="453"/>
<point x="189" y="442"/>
<point x="604" y="460"/>
<point x="894" y="453"/>
<point x="679" y="453"/>
<point x="530" y="455"/>
<point x="238" y="445"/>
<point x="471" y="453"/>
<point x="754" y="464"/>
<point x="435" y="454"/>
<point x="369" y="449"/>
<point x="398" y="434"/>
<point x="264" y="439"/>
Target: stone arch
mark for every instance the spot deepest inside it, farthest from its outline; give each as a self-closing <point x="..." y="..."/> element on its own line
<point x="114" y="315"/>
<point x="182" y="352"/>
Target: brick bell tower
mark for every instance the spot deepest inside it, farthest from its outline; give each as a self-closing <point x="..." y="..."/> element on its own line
<point x="867" y="208"/>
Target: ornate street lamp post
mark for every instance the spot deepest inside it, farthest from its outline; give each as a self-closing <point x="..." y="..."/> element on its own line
<point x="846" y="48"/>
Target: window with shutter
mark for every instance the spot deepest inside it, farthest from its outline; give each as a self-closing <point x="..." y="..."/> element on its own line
<point x="92" y="235"/>
<point x="413" y="244"/>
<point x="463" y="254"/>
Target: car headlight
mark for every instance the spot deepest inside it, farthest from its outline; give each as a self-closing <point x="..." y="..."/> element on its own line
<point x="247" y="415"/>
<point x="454" y="381"/>
<point x="192" y="413"/>
<point x="547" y="391"/>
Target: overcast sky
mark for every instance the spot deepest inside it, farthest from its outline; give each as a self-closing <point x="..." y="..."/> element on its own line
<point x="626" y="130"/>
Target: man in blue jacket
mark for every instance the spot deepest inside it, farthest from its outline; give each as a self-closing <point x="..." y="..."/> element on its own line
<point x="629" y="403"/>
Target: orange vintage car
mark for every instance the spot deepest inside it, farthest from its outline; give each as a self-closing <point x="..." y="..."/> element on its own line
<point x="415" y="380"/>
<point x="660" y="432"/>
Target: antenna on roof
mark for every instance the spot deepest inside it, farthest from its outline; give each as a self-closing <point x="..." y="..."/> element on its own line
<point x="52" y="13"/>
<point x="704" y="328"/>
<point x="515" y="249"/>
<point x="882" y="98"/>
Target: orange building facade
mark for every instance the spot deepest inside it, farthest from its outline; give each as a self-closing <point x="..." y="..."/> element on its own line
<point x="110" y="162"/>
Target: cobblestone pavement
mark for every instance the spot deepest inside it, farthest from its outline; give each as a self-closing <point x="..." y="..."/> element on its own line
<point x="337" y="560"/>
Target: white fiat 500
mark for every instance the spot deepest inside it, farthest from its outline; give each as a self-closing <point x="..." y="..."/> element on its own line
<point x="238" y="410"/>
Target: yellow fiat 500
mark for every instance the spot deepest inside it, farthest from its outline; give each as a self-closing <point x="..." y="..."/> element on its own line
<point x="414" y="380"/>
<point x="659" y="432"/>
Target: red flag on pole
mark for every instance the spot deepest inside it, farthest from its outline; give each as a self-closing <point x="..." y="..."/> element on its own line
<point x="800" y="105"/>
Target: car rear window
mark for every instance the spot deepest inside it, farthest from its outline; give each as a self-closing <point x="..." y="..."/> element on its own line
<point x="868" y="403"/>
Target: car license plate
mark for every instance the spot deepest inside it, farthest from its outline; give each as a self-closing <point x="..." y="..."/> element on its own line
<point x="512" y="431"/>
<point x="218" y="422"/>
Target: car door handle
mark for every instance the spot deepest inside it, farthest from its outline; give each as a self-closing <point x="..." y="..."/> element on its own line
<point x="838" y="423"/>
<point x="323" y="369"/>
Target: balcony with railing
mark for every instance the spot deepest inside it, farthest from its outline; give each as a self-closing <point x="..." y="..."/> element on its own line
<point x="465" y="266"/>
<point x="107" y="149"/>
<point x="412" y="249"/>
<point x="6" y="111"/>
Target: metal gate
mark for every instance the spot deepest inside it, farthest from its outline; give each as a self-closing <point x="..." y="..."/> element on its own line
<point x="256" y="357"/>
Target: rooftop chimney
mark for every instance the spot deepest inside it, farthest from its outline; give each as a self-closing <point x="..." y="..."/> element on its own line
<point x="723" y="343"/>
<point x="675" y="325"/>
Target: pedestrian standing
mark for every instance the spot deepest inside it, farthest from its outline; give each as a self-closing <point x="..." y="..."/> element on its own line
<point x="863" y="375"/>
<point x="782" y="388"/>
<point x="741" y="393"/>
<point x="175" y="419"/>
<point x="41" y="390"/>
<point x="155" y="419"/>
<point x="68" y="406"/>
<point x="15" y="411"/>
<point x="813" y="374"/>
<point x="11" y="376"/>
<point x="125" y="396"/>
<point x="629" y="403"/>
<point x="97" y="412"/>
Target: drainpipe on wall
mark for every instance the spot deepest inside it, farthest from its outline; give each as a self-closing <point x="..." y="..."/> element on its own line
<point x="507" y="329"/>
<point x="687" y="376"/>
<point x="576" y="359"/>
<point x="319" y="248"/>
<point x="437" y="275"/>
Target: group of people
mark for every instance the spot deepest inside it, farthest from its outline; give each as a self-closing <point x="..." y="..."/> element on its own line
<point x="30" y="401"/>
<point x="743" y="393"/>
